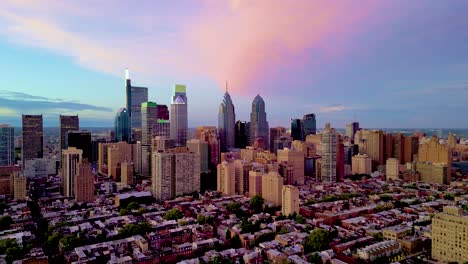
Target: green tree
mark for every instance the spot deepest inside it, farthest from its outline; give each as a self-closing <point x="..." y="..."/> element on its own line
<point x="256" y="203"/>
<point x="385" y="197"/>
<point x="173" y="214"/>
<point x="133" y="206"/>
<point x="202" y="220"/>
<point x="13" y="253"/>
<point x="318" y="240"/>
<point x="449" y="196"/>
<point x="123" y="212"/>
<point x="5" y="222"/>
<point x="249" y="227"/>
<point x="315" y="259"/>
<point x="300" y="219"/>
<point x="70" y="242"/>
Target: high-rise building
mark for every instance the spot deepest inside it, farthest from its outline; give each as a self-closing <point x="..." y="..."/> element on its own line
<point x="209" y="135"/>
<point x="122" y="126"/>
<point x="81" y="140"/>
<point x="70" y="159"/>
<point x="126" y="174"/>
<point x="392" y="169"/>
<point x="135" y="97"/>
<point x="95" y="150"/>
<point x="19" y="186"/>
<point x="84" y="182"/>
<point x="149" y="119"/>
<point x="276" y="133"/>
<point x="175" y="172"/>
<point x="67" y="124"/>
<point x="410" y="148"/>
<point x="255" y="182"/>
<point x="258" y="121"/>
<point x="375" y="146"/>
<point x="179" y="115"/>
<point x="272" y="188"/>
<point x="399" y="147"/>
<point x="32" y="147"/>
<point x="309" y="125"/>
<point x="290" y="200"/>
<point x="242" y="134"/>
<point x="436" y="154"/>
<point x="226" y="123"/>
<point x="297" y="160"/>
<point x="226" y="178"/>
<point x="200" y="147"/>
<point x="109" y="160"/>
<point x="297" y="130"/>
<point x="242" y="169"/>
<point x="329" y="148"/>
<point x="361" y="164"/>
<point x="7" y="145"/>
<point x="450" y="235"/>
<point x="351" y="130"/>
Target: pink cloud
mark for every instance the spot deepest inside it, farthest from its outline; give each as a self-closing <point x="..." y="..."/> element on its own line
<point x="238" y="41"/>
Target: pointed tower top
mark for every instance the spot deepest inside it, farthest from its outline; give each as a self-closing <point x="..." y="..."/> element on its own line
<point x="226" y="86"/>
<point x="127" y="74"/>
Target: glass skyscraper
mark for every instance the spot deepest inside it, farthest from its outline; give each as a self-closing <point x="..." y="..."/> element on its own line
<point x="67" y="124"/>
<point x="226" y="123"/>
<point x="7" y="145"/>
<point x="297" y="129"/>
<point x="32" y="137"/>
<point x="81" y="140"/>
<point x="122" y="126"/>
<point x="309" y="125"/>
<point x="258" y="121"/>
<point x="135" y="97"/>
<point x="179" y="115"/>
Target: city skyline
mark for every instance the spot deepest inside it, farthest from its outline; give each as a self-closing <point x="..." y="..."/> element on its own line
<point x="371" y="62"/>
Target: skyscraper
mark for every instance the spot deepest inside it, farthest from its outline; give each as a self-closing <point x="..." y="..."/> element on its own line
<point x="329" y="149"/>
<point x="135" y="97"/>
<point x="81" y="140"/>
<point x="67" y="124"/>
<point x="290" y="200"/>
<point x="149" y="119"/>
<point x="7" y="145"/>
<point x="297" y="131"/>
<point x="226" y="123"/>
<point x="200" y="147"/>
<point x="122" y="126"/>
<point x="70" y="159"/>
<point x="309" y="125"/>
<point x="351" y="130"/>
<point x="242" y="134"/>
<point x="32" y="137"/>
<point x="84" y="182"/>
<point x="297" y="160"/>
<point x="272" y="187"/>
<point x="258" y="121"/>
<point x="179" y="115"/>
<point x="226" y="178"/>
<point x="275" y="133"/>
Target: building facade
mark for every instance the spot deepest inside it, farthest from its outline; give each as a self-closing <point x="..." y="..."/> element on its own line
<point x="179" y="115"/>
<point x="33" y="144"/>
<point x="7" y="145"/>
<point x="290" y="200"/>
<point x="227" y="123"/>
<point x="84" y="182"/>
<point x="329" y="143"/>
<point x="135" y="97"/>
<point x="258" y="121"/>
<point x="67" y="124"/>
<point x="122" y="130"/>
<point x="272" y="188"/>
<point x="71" y="157"/>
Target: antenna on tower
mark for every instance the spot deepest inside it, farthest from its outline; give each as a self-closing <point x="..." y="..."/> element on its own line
<point x="226" y="86"/>
<point x="127" y="74"/>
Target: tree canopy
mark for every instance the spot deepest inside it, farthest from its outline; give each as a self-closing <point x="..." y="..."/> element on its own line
<point x="318" y="240"/>
<point x="173" y="214"/>
<point x="256" y="203"/>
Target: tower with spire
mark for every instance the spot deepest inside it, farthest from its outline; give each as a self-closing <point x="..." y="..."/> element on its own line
<point x="135" y="96"/>
<point x="227" y="122"/>
<point x="258" y="121"/>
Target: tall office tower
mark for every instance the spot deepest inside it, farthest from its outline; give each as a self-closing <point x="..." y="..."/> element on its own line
<point x="410" y="148"/>
<point x="399" y="147"/>
<point x="389" y="144"/>
<point x="258" y="121"/>
<point x="159" y="143"/>
<point x="242" y="169"/>
<point x="175" y="172"/>
<point x="375" y="146"/>
<point x="200" y="147"/>
<point x="434" y="162"/>
<point x="84" y="182"/>
<point x="226" y="123"/>
<point x="163" y="112"/>
<point x="226" y="178"/>
<point x="135" y="97"/>
<point x="309" y="124"/>
<point x="81" y="140"/>
<point x="297" y="160"/>
<point x="209" y="135"/>
<point x="19" y="186"/>
<point x="361" y="164"/>
<point x="149" y="119"/>
<point x="290" y="200"/>
<point x="32" y="137"/>
<point x="67" y="124"/>
<point x="179" y="115"/>
<point x="242" y="134"/>
<point x="351" y="130"/>
<point x="272" y="188"/>
<point x="297" y="130"/>
<point x="123" y="152"/>
<point x="392" y="169"/>
<point x="276" y="133"/>
<point x="450" y="235"/>
<point x="95" y="150"/>
<point x="328" y="164"/>
<point x="7" y="145"/>
<point x="122" y="126"/>
<point x="70" y="159"/>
